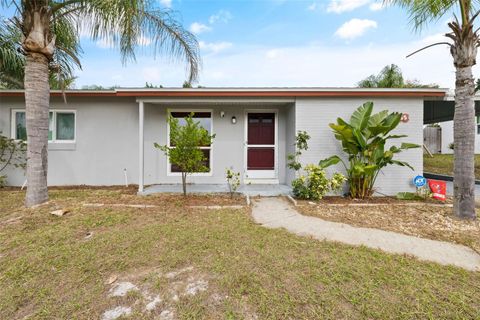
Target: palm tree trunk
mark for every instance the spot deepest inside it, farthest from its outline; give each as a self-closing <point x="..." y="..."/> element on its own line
<point x="464" y="140"/>
<point x="37" y="95"/>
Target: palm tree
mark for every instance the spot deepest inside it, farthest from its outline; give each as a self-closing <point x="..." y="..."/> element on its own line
<point x="391" y="76"/>
<point x="464" y="52"/>
<point x="123" y="23"/>
<point x="12" y="59"/>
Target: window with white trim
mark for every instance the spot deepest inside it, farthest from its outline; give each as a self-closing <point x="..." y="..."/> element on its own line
<point x="61" y="125"/>
<point x="205" y="120"/>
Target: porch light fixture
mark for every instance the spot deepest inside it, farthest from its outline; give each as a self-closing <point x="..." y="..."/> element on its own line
<point x="234" y="120"/>
<point x="222" y="114"/>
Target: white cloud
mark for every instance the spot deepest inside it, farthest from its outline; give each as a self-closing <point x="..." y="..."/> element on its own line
<point x="339" y="6"/>
<point x="376" y="6"/>
<point x="166" y="3"/>
<point x="151" y="74"/>
<point x="273" y="53"/>
<point x="198" y="28"/>
<point x="316" y="65"/>
<point x="355" y="28"/>
<point x="312" y="7"/>
<point x="221" y="16"/>
<point x="214" y="47"/>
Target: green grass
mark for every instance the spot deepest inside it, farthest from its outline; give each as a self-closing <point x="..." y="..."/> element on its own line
<point x="48" y="270"/>
<point x="443" y="164"/>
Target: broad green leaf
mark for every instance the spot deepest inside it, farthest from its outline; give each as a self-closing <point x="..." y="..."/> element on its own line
<point x="396" y="136"/>
<point x="406" y="145"/>
<point x="377" y="118"/>
<point x="360" y="117"/>
<point x="391" y="121"/>
<point x="359" y="138"/>
<point x="402" y="164"/>
<point x="370" y="169"/>
<point x="325" y="163"/>
<point x="378" y="154"/>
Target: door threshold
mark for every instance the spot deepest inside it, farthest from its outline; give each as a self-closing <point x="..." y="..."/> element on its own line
<point x="261" y="181"/>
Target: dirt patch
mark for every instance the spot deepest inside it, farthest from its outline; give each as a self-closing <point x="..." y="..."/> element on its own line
<point x="155" y="293"/>
<point x="421" y="220"/>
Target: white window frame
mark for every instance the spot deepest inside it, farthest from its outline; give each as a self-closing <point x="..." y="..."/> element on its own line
<point x="54" y="129"/>
<point x="169" y="165"/>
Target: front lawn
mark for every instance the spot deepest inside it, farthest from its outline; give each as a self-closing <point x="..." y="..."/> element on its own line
<point x="203" y="264"/>
<point x="443" y="164"/>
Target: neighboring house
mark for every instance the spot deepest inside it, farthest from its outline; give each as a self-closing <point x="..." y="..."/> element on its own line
<point x="96" y="135"/>
<point x="447" y="136"/>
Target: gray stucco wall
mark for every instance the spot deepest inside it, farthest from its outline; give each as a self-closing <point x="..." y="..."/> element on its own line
<point x="291" y="132"/>
<point x="107" y="138"/>
<point x="314" y="115"/>
<point x="228" y="147"/>
<point x="107" y="141"/>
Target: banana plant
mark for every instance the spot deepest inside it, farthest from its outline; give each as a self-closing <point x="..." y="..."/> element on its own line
<point x="363" y="139"/>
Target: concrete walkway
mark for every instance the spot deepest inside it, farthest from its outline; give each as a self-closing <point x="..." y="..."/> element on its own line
<point x="252" y="190"/>
<point x="278" y="213"/>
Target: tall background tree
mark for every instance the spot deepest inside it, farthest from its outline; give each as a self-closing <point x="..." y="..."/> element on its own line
<point x="391" y="76"/>
<point x="463" y="48"/>
<point x="122" y="23"/>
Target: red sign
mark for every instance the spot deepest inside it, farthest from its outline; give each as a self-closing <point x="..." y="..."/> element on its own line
<point x="439" y="189"/>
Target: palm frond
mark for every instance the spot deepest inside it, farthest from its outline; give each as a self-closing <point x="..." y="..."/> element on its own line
<point x="125" y="23"/>
<point x="424" y="11"/>
<point x="12" y="61"/>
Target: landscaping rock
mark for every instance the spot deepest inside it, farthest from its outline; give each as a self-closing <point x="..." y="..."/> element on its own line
<point x="196" y="286"/>
<point x="153" y="304"/>
<point x="166" y="315"/>
<point x="174" y="274"/>
<point x="111" y="279"/>
<point x="117" y="312"/>
<point x="59" y="213"/>
<point x="122" y="288"/>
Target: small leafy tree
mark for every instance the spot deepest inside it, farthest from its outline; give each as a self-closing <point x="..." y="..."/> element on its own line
<point x="363" y="140"/>
<point x="233" y="181"/>
<point x="184" y="150"/>
<point x="301" y="144"/>
<point x="13" y="154"/>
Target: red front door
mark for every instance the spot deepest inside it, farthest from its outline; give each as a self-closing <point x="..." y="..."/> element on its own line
<point x="261" y="142"/>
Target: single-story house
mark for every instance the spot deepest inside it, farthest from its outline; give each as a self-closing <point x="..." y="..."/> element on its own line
<point x="105" y="137"/>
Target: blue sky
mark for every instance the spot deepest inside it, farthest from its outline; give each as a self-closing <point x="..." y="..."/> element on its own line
<point x="282" y="43"/>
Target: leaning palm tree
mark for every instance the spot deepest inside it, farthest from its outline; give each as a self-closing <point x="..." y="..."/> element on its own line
<point x="463" y="48"/>
<point x="122" y="23"/>
<point x="12" y="58"/>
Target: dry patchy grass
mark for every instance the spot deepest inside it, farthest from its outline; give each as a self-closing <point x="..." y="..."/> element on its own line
<point x="48" y="269"/>
<point x="443" y="164"/>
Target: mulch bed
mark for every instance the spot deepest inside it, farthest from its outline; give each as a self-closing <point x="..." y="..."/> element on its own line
<point x="372" y="200"/>
<point x="421" y="219"/>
